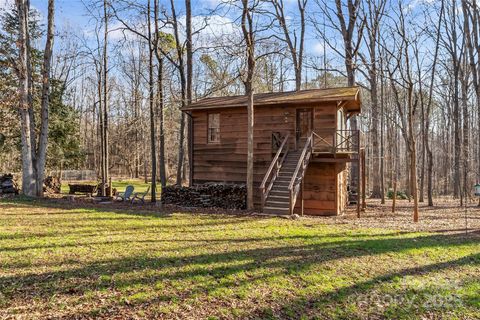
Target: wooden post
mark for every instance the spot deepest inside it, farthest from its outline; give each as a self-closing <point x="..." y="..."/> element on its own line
<point x="394" y="194"/>
<point x="358" y="185"/>
<point x="364" y="203"/>
<point x="302" y="195"/>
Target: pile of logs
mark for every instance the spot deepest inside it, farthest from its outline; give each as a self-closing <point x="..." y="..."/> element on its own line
<point x="226" y="196"/>
<point x="7" y="184"/>
<point x="52" y="184"/>
<point x="82" y="188"/>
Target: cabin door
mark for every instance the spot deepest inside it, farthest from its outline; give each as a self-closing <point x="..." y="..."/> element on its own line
<point x="304" y="123"/>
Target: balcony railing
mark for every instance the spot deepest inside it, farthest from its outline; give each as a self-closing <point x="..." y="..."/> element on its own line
<point x="336" y="141"/>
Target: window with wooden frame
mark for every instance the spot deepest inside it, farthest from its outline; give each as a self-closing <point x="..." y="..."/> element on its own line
<point x="213" y="133"/>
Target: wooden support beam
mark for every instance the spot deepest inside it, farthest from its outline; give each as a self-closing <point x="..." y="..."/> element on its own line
<point x="302" y="196"/>
<point x="364" y="203"/>
<point x="334" y="160"/>
<point x="358" y="184"/>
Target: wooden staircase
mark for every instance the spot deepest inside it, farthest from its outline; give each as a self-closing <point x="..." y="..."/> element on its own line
<point x="284" y="177"/>
<point x="278" y="200"/>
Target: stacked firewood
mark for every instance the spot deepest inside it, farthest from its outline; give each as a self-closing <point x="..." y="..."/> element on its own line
<point x="7" y="184"/>
<point x="82" y="188"/>
<point x="52" y="184"/>
<point x="227" y="196"/>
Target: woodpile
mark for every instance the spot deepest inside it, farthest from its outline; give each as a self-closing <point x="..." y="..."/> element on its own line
<point x="52" y="184"/>
<point x="226" y="196"/>
<point x="82" y="188"/>
<point x="7" y="184"/>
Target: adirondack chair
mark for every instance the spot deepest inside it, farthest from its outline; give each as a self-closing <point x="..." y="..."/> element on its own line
<point x="127" y="195"/>
<point x="140" y="195"/>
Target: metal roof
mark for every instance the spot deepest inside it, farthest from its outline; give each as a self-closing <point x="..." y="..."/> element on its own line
<point x="350" y="96"/>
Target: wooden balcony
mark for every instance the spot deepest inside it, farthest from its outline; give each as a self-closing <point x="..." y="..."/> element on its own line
<point x="336" y="142"/>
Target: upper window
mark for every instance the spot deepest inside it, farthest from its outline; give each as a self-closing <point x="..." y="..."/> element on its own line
<point x="213" y="127"/>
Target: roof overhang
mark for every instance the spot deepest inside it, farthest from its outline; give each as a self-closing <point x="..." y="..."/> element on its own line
<point x="349" y="97"/>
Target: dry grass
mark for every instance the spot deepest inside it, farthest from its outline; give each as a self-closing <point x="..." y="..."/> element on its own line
<point x="445" y="216"/>
<point x="59" y="261"/>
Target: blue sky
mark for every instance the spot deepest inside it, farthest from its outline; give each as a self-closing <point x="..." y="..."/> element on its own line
<point x="72" y="14"/>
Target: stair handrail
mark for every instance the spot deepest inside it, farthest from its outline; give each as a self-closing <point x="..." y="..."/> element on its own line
<point x="276" y="164"/>
<point x="298" y="175"/>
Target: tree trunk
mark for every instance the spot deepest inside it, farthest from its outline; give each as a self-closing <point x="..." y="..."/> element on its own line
<point x="247" y="29"/>
<point x="428" y="149"/>
<point x="466" y="133"/>
<point x="43" y="141"/>
<point x="28" y="174"/>
<point x="183" y="85"/>
<point x="151" y="102"/>
<point x="163" y="177"/>
<point x="105" y="177"/>
<point x="189" y="47"/>
<point x="376" y="188"/>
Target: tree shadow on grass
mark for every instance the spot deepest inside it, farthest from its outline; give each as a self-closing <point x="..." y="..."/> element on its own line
<point x="147" y="210"/>
<point x="206" y="272"/>
<point x="301" y="307"/>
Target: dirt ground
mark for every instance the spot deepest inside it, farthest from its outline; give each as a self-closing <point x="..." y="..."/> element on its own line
<point x="445" y="216"/>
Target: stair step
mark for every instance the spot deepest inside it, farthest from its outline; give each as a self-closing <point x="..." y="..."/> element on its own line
<point x="279" y="193"/>
<point x="282" y="203"/>
<point x="281" y="198"/>
<point x="275" y="210"/>
<point x="285" y="175"/>
<point x="281" y="185"/>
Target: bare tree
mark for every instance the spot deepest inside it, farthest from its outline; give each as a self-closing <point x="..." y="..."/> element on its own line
<point x="400" y="69"/>
<point x="248" y="35"/>
<point x="183" y="83"/>
<point x="151" y="97"/>
<point x="350" y="27"/>
<point x="28" y="173"/>
<point x="43" y="139"/>
<point x="33" y="159"/>
<point x="373" y="15"/>
<point x="189" y="84"/>
<point x="471" y="14"/>
<point x="295" y="43"/>
<point x="105" y="153"/>
<point x="426" y="142"/>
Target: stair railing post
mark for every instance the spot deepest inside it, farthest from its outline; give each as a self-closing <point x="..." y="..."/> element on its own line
<point x="262" y="190"/>
<point x="290" y="202"/>
<point x="302" y="197"/>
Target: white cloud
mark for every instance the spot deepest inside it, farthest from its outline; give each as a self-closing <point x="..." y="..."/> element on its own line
<point x="319" y="48"/>
<point x="211" y="3"/>
<point x="213" y="25"/>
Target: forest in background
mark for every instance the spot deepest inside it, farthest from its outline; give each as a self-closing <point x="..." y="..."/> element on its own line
<point x="124" y="79"/>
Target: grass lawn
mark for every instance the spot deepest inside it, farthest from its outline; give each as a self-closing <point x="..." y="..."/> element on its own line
<point x="61" y="262"/>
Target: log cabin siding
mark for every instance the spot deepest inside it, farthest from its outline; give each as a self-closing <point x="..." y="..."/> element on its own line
<point x="225" y="161"/>
<point x="325" y="189"/>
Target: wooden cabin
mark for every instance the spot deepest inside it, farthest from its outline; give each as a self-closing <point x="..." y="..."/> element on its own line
<point x="301" y="147"/>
